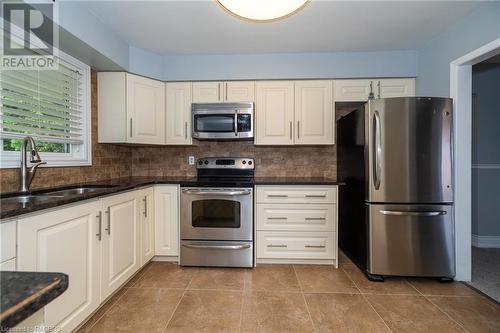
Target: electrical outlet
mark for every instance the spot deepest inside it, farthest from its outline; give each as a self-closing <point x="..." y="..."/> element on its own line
<point x="191" y="160"/>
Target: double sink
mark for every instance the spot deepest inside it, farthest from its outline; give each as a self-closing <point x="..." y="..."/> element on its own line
<point x="24" y="198"/>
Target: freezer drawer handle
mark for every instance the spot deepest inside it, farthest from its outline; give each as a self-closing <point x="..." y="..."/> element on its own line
<point x="412" y="213"/>
<point x="218" y="247"/>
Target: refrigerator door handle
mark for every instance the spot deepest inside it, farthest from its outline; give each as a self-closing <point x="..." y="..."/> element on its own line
<point x="412" y="213"/>
<point x="377" y="150"/>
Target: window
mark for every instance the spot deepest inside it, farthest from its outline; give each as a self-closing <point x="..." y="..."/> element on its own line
<point x="52" y="106"/>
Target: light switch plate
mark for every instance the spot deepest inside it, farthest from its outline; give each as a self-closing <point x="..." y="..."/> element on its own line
<point x="191" y="160"/>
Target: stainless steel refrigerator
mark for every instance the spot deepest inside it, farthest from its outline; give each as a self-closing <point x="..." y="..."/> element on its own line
<point x="396" y="207"/>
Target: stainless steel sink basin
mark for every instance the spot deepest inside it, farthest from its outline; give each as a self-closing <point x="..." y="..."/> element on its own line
<point x="80" y="190"/>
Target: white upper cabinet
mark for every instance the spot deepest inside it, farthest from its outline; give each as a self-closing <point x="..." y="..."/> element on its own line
<point x="120" y="240"/>
<point x="359" y="90"/>
<point x="239" y="91"/>
<point x="178" y="113"/>
<point x="223" y="91"/>
<point x="131" y="109"/>
<point x="314" y="112"/>
<point x="395" y="88"/>
<point x="66" y="240"/>
<point x="274" y="113"/>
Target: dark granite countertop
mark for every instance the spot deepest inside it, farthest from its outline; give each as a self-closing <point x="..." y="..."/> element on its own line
<point x="24" y="293"/>
<point x="10" y="209"/>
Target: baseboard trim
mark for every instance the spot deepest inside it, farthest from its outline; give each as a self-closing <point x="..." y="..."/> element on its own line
<point x="166" y="258"/>
<point x="486" y="241"/>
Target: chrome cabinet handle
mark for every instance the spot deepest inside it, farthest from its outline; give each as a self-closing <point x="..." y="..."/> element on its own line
<point x="315" y="195"/>
<point x="185" y="130"/>
<point x="298" y="129"/>
<point x="291" y="131"/>
<point x="226" y="93"/>
<point x="378" y="85"/>
<point x="218" y="247"/>
<point x="218" y="91"/>
<point x="277" y="195"/>
<point x="108" y="229"/>
<point x="377" y="151"/>
<point x="315" y="246"/>
<point x="145" y="206"/>
<point x="277" y="218"/>
<point x="99" y="223"/>
<point x="278" y="245"/>
<point x="412" y="213"/>
<point x="131" y="132"/>
<point x="315" y="218"/>
<point x="229" y="193"/>
<point x="236" y="122"/>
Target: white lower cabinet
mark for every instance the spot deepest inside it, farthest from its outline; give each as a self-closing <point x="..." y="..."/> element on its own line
<point x="147" y="225"/>
<point x="65" y="241"/>
<point x="296" y="224"/>
<point x="120" y="240"/>
<point x="167" y="220"/>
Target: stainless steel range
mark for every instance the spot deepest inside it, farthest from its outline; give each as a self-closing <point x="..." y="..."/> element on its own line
<point x="217" y="215"/>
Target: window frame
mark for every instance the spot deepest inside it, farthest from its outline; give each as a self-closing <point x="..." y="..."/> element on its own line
<point x="80" y="154"/>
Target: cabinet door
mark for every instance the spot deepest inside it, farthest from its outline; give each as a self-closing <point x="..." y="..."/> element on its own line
<point x="147" y="225"/>
<point x="274" y="107"/>
<point x="145" y="110"/>
<point x="120" y="240"/>
<point x="65" y="241"/>
<point x="239" y="91"/>
<point x="178" y="113"/>
<point x="314" y="112"/>
<point x="167" y="220"/>
<point x="207" y="92"/>
<point x="396" y="88"/>
<point x="353" y="90"/>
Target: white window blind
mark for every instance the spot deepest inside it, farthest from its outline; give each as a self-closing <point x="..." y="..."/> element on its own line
<point x="45" y="104"/>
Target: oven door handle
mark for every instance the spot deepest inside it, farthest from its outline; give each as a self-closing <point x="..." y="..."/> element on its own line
<point x="228" y="193"/>
<point x="218" y="247"/>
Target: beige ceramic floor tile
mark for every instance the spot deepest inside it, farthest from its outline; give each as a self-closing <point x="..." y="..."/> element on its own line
<point x="140" y="310"/>
<point x="166" y="275"/>
<point x="138" y="275"/>
<point x="272" y="278"/>
<point x="412" y="314"/>
<point x="343" y="313"/>
<point x="476" y="314"/>
<point x="207" y="311"/>
<point x="219" y="278"/>
<point x="389" y="286"/>
<point x="436" y="288"/>
<point x="316" y="278"/>
<point x="275" y="312"/>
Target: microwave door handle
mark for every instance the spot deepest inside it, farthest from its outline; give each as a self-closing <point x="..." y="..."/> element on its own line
<point x="235" y="122"/>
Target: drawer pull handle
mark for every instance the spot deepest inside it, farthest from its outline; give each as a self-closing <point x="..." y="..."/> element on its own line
<point x="315" y="246"/>
<point x="277" y="218"/>
<point x="315" y="218"/>
<point x="279" y="245"/>
<point x="277" y="196"/>
<point x="315" y="195"/>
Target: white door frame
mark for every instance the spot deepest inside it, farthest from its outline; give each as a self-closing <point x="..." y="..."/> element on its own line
<point x="461" y="92"/>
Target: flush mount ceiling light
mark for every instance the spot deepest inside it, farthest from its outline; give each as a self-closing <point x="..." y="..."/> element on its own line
<point x="262" y="10"/>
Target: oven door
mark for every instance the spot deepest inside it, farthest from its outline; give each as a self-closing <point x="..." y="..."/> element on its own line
<point x="216" y="214"/>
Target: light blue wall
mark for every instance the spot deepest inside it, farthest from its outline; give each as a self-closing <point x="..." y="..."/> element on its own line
<point x="476" y="29"/>
<point x="291" y="66"/>
<point x="145" y="63"/>
<point x="485" y="151"/>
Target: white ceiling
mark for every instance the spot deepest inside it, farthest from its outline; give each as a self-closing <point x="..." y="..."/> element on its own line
<point x="202" y="27"/>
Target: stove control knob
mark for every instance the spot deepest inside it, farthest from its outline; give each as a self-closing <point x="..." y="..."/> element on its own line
<point x="249" y="162"/>
<point x="244" y="162"/>
<point x="200" y="162"/>
<point x="206" y="162"/>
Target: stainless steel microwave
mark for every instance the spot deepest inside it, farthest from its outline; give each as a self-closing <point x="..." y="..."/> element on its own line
<point x="222" y="121"/>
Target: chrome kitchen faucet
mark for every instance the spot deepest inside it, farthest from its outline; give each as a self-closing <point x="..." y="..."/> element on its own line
<point x="26" y="174"/>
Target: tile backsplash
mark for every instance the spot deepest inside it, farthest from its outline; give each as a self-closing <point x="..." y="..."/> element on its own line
<point x="113" y="161"/>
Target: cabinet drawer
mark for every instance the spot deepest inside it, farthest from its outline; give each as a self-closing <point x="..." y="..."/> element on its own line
<point x="296" y="194"/>
<point x="295" y="245"/>
<point x="300" y="217"/>
<point x="8" y="240"/>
